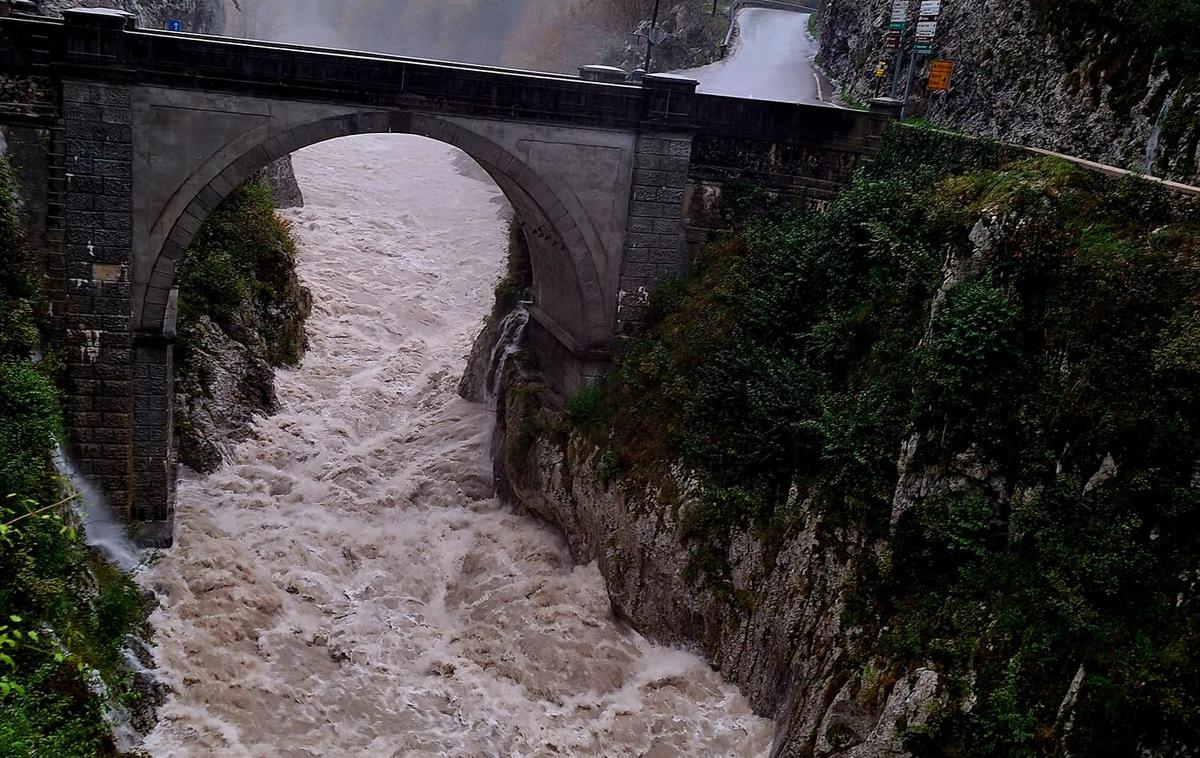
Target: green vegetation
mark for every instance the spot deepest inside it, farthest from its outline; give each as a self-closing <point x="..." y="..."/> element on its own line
<point x="1019" y="323"/>
<point x="64" y="613"/>
<point x="1170" y="28"/>
<point x="518" y="272"/>
<point x="240" y="268"/>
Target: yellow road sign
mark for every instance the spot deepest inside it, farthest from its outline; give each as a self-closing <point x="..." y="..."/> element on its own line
<point x="939" y="75"/>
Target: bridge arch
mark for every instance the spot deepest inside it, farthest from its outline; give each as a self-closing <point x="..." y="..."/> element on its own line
<point x="562" y="239"/>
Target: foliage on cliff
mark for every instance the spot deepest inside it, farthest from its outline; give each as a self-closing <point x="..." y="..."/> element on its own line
<point x="64" y="613"/>
<point x="990" y="367"/>
<point x="241" y="267"/>
<point x="242" y="311"/>
<point x="1169" y="29"/>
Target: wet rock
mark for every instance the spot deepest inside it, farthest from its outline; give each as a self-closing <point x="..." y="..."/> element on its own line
<point x="777" y="635"/>
<point x="282" y="178"/>
<point x="694" y="39"/>
<point x="221" y="384"/>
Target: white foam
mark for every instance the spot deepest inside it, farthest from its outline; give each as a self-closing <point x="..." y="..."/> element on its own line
<point x="346" y="584"/>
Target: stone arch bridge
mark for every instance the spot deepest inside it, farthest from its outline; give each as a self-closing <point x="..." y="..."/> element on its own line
<point x="126" y="139"/>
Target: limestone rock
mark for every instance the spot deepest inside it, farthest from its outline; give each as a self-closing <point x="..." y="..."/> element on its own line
<point x="282" y="179"/>
<point x="221" y="384"/>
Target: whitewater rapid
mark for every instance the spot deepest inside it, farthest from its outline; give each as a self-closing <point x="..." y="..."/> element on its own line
<point x="346" y="585"/>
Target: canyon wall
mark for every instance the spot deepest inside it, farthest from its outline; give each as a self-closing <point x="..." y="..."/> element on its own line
<point x="885" y="465"/>
<point x="1115" y="82"/>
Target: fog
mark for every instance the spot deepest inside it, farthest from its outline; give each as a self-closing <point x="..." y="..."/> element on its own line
<point x="495" y="32"/>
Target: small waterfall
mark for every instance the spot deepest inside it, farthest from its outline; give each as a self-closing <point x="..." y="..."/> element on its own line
<point x="512" y="328"/>
<point x="101" y="530"/>
<point x="1156" y="133"/>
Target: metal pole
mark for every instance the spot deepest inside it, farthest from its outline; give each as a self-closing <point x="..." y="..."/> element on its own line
<point x="912" y="60"/>
<point x="649" y="40"/>
<point x="897" y="59"/>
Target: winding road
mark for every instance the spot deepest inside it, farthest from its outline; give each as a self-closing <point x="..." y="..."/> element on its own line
<point x="771" y="59"/>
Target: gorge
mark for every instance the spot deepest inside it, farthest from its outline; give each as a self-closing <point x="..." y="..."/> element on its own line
<point x="787" y="431"/>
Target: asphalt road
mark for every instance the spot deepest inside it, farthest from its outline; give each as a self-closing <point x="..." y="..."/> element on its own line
<point x="771" y="59"/>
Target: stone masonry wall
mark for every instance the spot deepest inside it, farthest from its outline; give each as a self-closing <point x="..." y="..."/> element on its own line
<point x="99" y="227"/>
<point x="654" y="246"/>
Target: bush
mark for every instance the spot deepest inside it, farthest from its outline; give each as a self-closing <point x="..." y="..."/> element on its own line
<point x="585" y="406"/>
<point x="242" y="260"/>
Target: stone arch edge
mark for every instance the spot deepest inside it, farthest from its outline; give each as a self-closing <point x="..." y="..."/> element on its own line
<point x="156" y="304"/>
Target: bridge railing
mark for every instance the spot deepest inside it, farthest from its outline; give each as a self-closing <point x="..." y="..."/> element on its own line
<point x="106" y="47"/>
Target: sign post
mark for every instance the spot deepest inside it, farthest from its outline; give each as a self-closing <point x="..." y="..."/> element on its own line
<point x="927" y="24"/>
<point x="895" y="37"/>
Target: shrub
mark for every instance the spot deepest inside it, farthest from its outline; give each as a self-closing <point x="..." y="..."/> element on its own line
<point x="585" y="406"/>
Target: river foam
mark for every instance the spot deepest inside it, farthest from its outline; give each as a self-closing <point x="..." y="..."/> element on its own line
<point x="346" y="584"/>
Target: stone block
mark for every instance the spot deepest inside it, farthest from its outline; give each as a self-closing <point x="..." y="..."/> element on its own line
<point x="114" y="169"/>
<point x="77" y="201"/>
<point x="118" y="186"/>
<point x="122" y="237"/>
<point x="115" y="204"/>
<point x="114" y="405"/>
<point x="649" y="210"/>
<point x="83" y="111"/>
<point x="107" y="272"/>
<point x="116" y="151"/>
<point x="120" y="421"/>
<point x="116" y="221"/>
<point x="678" y="148"/>
<point x="115" y="96"/>
<point x="80" y="92"/>
<point x="640" y="240"/>
<point x="90" y="185"/>
<point x="118" y="115"/>
<point x="641" y="224"/>
<point x="83" y="419"/>
<point x="84" y="219"/>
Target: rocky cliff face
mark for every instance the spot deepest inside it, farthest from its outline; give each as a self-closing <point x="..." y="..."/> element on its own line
<point x="242" y="314"/>
<point x="282" y="180"/>
<point x="778" y="634"/>
<point x="913" y="472"/>
<point x="200" y="16"/>
<point x="1082" y="80"/>
<point x="694" y="40"/>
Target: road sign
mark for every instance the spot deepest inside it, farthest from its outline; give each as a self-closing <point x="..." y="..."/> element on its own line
<point x="892" y="40"/>
<point x="880" y="69"/>
<point x="939" y="75"/>
<point x="931" y="8"/>
<point x="899" y="14"/>
<point x="174" y="25"/>
<point x="923" y="48"/>
<point x="926" y="29"/>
